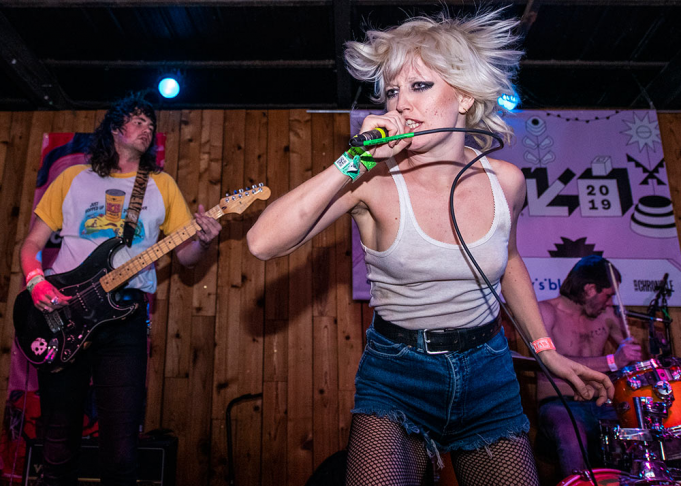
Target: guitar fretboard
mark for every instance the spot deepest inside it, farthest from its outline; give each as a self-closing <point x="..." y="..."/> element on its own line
<point x="139" y="262"/>
<point x="232" y="204"/>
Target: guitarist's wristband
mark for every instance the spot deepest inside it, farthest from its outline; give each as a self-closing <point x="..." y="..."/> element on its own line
<point x="30" y="285"/>
<point x="34" y="273"/>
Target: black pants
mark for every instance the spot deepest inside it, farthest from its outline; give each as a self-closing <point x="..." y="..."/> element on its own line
<point x="116" y="361"/>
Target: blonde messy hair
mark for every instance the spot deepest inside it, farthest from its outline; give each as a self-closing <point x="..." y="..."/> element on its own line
<point x="475" y="55"/>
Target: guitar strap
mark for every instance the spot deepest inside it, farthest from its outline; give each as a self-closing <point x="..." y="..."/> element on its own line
<point x="135" y="205"/>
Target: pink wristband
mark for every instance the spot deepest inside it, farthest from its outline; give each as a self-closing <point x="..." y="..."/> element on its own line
<point x="611" y="362"/>
<point x="543" y="344"/>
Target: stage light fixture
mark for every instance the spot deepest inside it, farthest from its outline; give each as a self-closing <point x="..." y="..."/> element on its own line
<point x="508" y="101"/>
<point x="169" y="86"/>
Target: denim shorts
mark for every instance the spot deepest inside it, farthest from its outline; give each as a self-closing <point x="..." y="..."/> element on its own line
<point x="460" y="400"/>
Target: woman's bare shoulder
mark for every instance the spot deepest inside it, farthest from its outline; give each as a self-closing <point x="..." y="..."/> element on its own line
<point x="512" y="180"/>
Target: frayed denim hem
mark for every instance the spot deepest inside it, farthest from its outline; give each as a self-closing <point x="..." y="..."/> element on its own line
<point x="399" y="417"/>
<point x="487" y="440"/>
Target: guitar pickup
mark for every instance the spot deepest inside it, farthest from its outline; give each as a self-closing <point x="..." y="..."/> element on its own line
<point x="54" y="321"/>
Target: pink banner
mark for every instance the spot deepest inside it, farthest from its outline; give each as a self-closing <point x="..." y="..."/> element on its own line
<point x="596" y="183"/>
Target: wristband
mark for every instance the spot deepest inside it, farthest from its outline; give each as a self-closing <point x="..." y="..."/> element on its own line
<point x="364" y="157"/>
<point x="543" y="344"/>
<point x="611" y="362"/>
<point x="349" y="162"/>
<point x="33" y="282"/>
<point x="33" y="273"/>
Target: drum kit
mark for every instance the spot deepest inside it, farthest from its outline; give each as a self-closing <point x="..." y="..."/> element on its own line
<point x="643" y="448"/>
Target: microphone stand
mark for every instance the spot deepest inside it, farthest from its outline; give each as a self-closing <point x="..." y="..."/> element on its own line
<point x="661" y="347"/>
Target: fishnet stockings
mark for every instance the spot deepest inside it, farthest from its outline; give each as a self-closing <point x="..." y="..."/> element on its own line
<point x="509" y="462"/>
<point x="381" y="453"/>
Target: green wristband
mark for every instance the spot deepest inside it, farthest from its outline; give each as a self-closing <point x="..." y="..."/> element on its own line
<point x="365" y="157"/>
<point x="349" y="162"/>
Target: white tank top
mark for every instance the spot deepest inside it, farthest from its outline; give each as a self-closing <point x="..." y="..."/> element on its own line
<point x="422" y="283"/>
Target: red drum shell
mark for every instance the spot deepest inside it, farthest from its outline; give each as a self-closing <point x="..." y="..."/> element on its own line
<point x="670" y="372"/>
<point x="604" y="477"/>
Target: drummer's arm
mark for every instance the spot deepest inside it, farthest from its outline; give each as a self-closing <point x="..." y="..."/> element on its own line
<point x="616" y="325"/>
<point x="548" y="313"/>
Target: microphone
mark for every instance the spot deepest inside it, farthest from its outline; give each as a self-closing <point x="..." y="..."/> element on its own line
<point x="359" y="139"/>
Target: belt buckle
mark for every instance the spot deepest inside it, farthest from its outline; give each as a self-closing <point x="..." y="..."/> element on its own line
<point x="426" y="341"/>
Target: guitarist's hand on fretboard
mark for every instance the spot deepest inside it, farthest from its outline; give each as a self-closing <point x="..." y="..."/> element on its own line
<point x="47" y="298"/>
<point x="209" y="228"/>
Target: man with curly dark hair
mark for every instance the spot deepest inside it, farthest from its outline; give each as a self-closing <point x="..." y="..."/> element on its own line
<point x="88" y="204"/>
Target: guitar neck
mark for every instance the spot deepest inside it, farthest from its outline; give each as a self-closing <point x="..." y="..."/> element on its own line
<point x="132" y="267"/>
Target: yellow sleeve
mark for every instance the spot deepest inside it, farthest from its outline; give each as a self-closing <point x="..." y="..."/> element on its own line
<point x="49" y="208"/>
<point x="177" y="211"/>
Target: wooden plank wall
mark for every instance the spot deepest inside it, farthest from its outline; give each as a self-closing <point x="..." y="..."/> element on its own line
<point x="235" y="326"/>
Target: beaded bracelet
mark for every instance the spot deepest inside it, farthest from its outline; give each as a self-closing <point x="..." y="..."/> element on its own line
<point x="543" y="344"/>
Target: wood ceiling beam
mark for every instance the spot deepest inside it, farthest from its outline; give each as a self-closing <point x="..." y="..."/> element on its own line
<point x="135" y="64"/>
<point x="342" y="33"/>
<point x="303" y="3"/>
<point x="26" y="70"/>
<point x="575" y="64"/>
<point x="324" y="64"/>
<point x="529" y="16"/>
<point x="160" y="3"/>
<point x="665" y="88"/>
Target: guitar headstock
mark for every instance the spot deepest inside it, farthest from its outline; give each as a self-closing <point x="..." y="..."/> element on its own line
<point x="241" y="199"/>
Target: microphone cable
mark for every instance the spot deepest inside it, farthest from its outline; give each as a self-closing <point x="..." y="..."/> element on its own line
<point x="452" y="215"/>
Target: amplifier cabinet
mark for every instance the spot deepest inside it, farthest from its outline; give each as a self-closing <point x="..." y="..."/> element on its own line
<point x="157" y="462"/>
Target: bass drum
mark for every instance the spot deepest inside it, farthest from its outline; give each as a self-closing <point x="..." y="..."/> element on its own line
<point x="604" y="477"/>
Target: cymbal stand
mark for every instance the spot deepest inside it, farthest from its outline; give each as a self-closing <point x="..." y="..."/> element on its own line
<point x="659" y="347"/>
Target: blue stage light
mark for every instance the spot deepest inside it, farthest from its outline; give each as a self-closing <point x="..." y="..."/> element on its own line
<point x="508" y="101"/>
<point x="169" y="87"/>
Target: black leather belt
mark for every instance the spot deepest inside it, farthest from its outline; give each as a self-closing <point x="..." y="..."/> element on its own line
<point x="438" y="341"/>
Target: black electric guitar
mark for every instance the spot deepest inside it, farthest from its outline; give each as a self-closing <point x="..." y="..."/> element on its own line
<point x="51" y="340"/>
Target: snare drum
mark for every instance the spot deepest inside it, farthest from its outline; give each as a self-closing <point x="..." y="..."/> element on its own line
<point x="604" y="477"/>
<point x="648" y="379"/>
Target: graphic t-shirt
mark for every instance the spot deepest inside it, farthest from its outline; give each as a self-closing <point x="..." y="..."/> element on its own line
<point x="90" y="209"/>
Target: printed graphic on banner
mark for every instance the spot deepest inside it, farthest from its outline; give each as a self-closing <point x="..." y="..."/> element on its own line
<point x="596" y="183"/>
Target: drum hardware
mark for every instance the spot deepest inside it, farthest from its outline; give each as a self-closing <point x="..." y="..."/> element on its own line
<point x="649" y="423"/>
<point x="664" y="390"/>
<point x="634" y="383"/>
<point x="650" y="414"/>
<point x="612" y="477"/>
<point x="655" y="380"/>
<point x="647" y="466"/>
